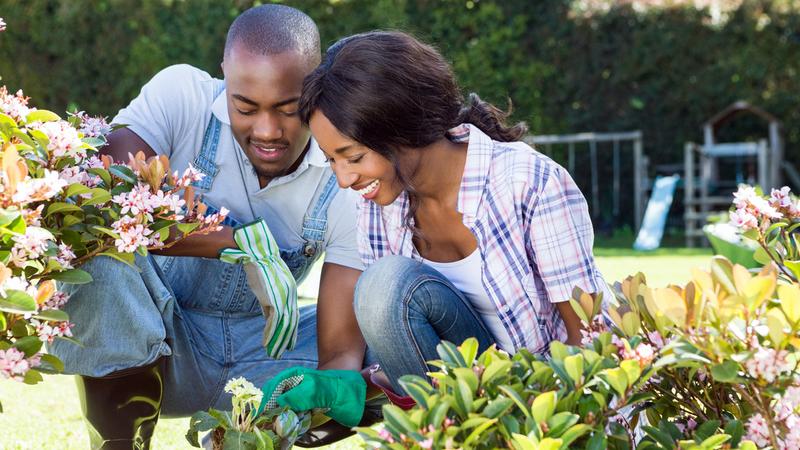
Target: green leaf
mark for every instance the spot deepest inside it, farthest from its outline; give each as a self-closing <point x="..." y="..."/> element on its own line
<point x="715" y="441"/>
<point x="463" y="394"/>
<point x="187" y="228"/>
<point x="417" y="388"/>
<point x="438" y="412"/>
<point x="544" y="405"/>
<point x="513" y="395"/>
<point x="76" y="189"/>
<point x="397" y="418"/>
<point x="103" y="174"/>
<point x="61" y="207"/>
<point x="72" y="276"/>
<point x="497" y="407"/>
<point x="475" y="435"/>
<point x="495" y="369"/>
<point x="617" y="378"/>
<point x="8" y="215"/>
<point x="573" y="365"/>
<point x="50" y="364"/>
<point x="560" y="422"/>
<point x="725" y="372"/>
<point x="42" y="115"/>
<point x="17" y="302"/>
<point x="469" y="350"/>
<point x="659" y="436"/>
<point x="573" y="433"/>
<point x="53" y="315"/>
<point x="30" y="345"/>
<point x="522" y="442"/>
<point x="735" y="430"/>
<point x="598" y="442"/>
<point x="632" y="370"/>
<point x="707" y="429"/>
<point x="99" y="197"/>
<point x="558" y="351"/>
<point x="449" y="354"/>
<point x="124" y="173"/>
<point x="96" y="229"/>
<point x="32" y="376"/>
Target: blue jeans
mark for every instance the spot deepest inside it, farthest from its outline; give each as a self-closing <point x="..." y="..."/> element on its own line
<point x="405" y="308"/>
<point x="198" y="312"/>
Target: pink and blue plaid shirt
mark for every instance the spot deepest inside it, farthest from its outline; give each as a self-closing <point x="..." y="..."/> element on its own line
<point x="533" y="230"/>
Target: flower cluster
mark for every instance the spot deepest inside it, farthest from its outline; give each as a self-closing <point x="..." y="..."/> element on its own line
<point x="754" y="211"/>
<point x="62" y="204"/>
<point x="768" y="364"/>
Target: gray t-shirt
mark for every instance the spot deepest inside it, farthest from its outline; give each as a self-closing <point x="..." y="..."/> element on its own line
<point x="171" y="114"/>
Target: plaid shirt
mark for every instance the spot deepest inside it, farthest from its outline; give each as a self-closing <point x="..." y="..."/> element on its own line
<point x="533" y="230"/>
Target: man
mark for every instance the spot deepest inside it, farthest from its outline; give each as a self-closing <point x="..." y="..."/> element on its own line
<point x="165" y="339"/>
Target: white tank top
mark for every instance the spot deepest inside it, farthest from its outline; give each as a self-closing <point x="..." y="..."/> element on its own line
<point x="466" y="277"/>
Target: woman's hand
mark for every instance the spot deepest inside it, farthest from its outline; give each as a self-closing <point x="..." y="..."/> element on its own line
<point x="341" y="392"/>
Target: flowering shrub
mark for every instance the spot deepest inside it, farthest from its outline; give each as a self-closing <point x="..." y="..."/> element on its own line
<point x="579" y="398"/>
<point x="61" y="204"/>
<point x="772" y="223"/>
<point x="240" y="429"/>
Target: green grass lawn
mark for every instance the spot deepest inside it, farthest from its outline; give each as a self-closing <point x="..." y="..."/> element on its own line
<point x="47" y="416"/>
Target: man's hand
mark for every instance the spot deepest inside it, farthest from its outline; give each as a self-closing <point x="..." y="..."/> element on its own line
<point x="342" y="392"/>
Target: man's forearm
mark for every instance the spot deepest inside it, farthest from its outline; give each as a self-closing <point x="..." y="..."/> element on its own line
<point x="201" y="245"/>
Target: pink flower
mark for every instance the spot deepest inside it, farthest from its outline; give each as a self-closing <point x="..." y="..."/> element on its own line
<point x="15" y="106"/>
<point x="58" y="300"/>
<point x="741" y="218"/>
<point x="14" y="365"/>
<point x="48" y="331"/>
<point x="767" y="364"/>
<point x="427" y="443"/>
<point x="384" y="434"/>
<point x="656" y="339"/>
<point x="132" y="234"/>
<point x="2" y="24"/>
<point x="758" y="431"/>
<point x="92" y="126"/>
<point x="747" y="199"/>
<point x="64" y="139"/>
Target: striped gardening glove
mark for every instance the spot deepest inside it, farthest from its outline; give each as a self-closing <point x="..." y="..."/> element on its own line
<point x="272" y="282"/>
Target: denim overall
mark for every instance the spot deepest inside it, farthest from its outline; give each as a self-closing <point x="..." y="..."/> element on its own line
<point x="198" y="311"/>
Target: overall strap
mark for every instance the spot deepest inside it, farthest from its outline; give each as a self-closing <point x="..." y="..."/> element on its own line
<point x="316" y="223"/>
<point x="206" y="160"/>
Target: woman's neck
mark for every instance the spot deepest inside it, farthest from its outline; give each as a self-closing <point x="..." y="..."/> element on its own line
<point x="439" y="169"/>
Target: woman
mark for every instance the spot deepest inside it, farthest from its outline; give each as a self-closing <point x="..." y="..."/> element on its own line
<point x="464" y="229"/>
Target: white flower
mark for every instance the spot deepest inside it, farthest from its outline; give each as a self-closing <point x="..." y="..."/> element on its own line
<point x="132" y="234"/>
<point x="2" y="24"/>
<point x="15" y="106"/>
<point x="33" y="243"/>
<point x="767" y="364"/>
<point x="64" y="139"/>
<point x="39" y="189"/>
<point x="49" y="331"/>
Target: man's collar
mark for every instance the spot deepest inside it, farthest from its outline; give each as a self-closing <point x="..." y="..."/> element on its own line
<point x="220" y="108"/>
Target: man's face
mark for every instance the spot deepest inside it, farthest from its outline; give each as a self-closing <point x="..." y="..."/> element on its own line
<point x="262" y="94"/>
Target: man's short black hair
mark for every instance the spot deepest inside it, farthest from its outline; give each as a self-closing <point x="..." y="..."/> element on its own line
<point x="274" y="29"/>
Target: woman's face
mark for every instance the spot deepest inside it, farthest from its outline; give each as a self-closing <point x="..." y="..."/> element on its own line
<point x="356" y="167"/>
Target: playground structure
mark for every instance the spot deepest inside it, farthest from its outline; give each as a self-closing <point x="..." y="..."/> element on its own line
<point x="708" y="186"/>
<point x="598" y="146"/>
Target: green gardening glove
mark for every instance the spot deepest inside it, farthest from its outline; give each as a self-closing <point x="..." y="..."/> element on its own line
<point x="272" y="282"/>
<point x="341" y="392"/>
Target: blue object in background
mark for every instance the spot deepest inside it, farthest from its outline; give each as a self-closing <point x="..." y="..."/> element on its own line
<point x="655" y="216"/>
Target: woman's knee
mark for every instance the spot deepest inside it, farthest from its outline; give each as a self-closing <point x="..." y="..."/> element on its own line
<point x="381" y="289"/>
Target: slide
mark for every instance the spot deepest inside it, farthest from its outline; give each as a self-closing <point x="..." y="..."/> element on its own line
<point x="655" y="216"/>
